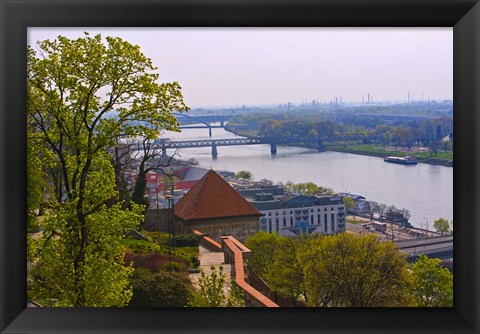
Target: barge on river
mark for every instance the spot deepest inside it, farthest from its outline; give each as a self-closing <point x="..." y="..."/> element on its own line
<point x="406" y="160"/>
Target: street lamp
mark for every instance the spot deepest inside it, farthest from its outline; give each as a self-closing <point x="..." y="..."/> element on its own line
<point x="426" y="225"/>
<point x="171" y="218"/>
<point x="169" y="199"/>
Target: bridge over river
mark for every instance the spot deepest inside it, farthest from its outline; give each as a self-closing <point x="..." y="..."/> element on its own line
<point x="165" y="144"/>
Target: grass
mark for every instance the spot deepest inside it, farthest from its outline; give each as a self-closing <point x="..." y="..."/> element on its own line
<point x="379" y="151"/>
<point x="158" y="241"/>
<point x="141" y="246"/>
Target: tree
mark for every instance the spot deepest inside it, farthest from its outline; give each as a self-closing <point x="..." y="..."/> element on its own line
<point x="285" y="276"/>
<point x="35" y="181"/>
<point x="159" y="289"/>
<point x="350" y="205"/>
<point x="263" y="246"/>
<point x="243" y="174"/>
<point x="433" y="285"/>
<point x="212" y="291"/>
<point x="381" y="209"/>
<point x="372" y="208"/>
<point x="441" y="225"/>
<point x="354" y="271"/>
<point x="387" y="138"/>
<point x="83" y="95"/>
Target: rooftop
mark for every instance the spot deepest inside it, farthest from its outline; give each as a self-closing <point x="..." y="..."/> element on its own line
<point x="213" y="198"/>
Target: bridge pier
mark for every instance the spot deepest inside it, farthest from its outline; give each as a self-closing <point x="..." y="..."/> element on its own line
<point x="164" y="151"/>
<point x="214" y="151"/>
<point x="222" y="123"/>
<point x="273" y="149"/>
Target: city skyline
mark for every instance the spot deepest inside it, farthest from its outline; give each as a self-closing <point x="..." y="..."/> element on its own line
<point x="267" y="66"/>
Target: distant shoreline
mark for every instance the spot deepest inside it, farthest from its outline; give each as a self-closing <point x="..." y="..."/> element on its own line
<point x="430" y="161"/>
<point x="336" y="148"/>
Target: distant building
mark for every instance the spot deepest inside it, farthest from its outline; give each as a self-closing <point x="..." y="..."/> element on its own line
<point x="291" y="215"/>
<point x="361" y="205"/>
<point x="214" y="208"/>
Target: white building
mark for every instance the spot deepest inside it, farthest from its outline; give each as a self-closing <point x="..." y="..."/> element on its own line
<point x="291" y="215"/>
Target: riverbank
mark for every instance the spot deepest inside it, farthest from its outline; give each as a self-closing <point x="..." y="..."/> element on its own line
<point x="368" y="151"/>
<point x="443" y="159"/>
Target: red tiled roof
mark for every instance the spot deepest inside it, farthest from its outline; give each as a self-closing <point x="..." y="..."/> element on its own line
<point x="213" y="198"/>
<point x="179" y="185"/>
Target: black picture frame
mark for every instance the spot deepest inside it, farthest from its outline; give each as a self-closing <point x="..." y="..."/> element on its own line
<point x="16" y="16"/>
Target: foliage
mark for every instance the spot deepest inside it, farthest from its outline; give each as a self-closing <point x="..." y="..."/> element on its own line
<point x="433" y="284"/>
<point x="263" y="246"/>
<point x="338" y="270"/>
<point x="154" y="261"/>
<point x="187" y="239"/>
<point x="243" y="174"/>
<point x="285" y="276"/>
<point x="101" y="279"/>
<point x="83" y="95"/>
<point x="140" y="246"/>
<point x="355" y="271"/>
<point x="212" y="291"/>
<point x="307" y="188"/>
<point x="349" y="204"/>
<point x="35" y="180"/>
<point x="441" y="225"/>
<point x="159" y="289"/>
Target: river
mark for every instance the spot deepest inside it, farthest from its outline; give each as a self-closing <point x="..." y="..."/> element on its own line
<point x="425" y="190"/>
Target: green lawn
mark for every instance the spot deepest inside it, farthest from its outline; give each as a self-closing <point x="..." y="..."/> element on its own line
<point x="380" y="152"/>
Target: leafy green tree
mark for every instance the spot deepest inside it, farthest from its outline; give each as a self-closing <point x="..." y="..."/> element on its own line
<point x="212" y="291"/>
<point x="356" y="271"/>
<point x="433" y="285"/>
<point x="243" y="174"/>
<point x="159" y="289"/>
<point x="349" y="205"/>
<point x="387" y="139"/>
<point x="263" y="246"/>
<point x="285" y="276"/>
<point x="83" y="95"/>
<point x="36" y="184"/>
<point x="441" y="225"/>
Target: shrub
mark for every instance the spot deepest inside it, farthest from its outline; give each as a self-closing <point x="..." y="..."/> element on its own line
<point x="160" y="289"/>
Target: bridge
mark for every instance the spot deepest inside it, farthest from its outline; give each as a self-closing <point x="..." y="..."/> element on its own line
<point x="272" y="141"/>
<point x="186" y="121"/>
<point x="439" y="247"/>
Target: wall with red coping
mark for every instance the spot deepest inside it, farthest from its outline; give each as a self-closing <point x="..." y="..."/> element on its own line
<point x="208" y="242"/>
<point x="235" y="252"/>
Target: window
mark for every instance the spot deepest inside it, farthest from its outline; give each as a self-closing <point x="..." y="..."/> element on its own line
<point x="333" y="221"/>
<point x="325" y="222"/>
<point x="311" y="220"/>
<point x="284" y="222"/>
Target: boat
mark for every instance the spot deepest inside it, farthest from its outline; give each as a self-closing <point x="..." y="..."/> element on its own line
<point x="406" y="160"/>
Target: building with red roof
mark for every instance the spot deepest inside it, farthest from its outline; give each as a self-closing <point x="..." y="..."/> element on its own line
<point x="214" y="208"/>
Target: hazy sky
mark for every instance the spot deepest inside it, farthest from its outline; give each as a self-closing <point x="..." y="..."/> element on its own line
<point x="230" y="66"/>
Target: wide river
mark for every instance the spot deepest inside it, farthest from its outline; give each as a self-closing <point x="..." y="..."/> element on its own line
<point x="425" y="190"/>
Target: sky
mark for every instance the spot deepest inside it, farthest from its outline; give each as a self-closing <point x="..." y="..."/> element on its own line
<point x="219" y="67"/>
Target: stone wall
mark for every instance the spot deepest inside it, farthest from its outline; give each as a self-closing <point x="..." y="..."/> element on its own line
<point x="240" y="228"/>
